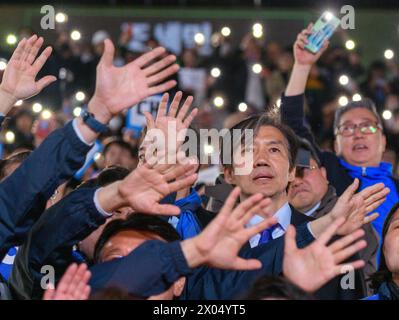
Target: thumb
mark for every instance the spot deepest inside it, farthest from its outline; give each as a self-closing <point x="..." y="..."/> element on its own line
<point x="290" y="241"/>
<point x="149" y="120"/>
<point x="108" y="54"/>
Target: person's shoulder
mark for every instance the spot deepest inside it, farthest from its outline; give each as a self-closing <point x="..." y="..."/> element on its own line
<point x="373" y="297"/>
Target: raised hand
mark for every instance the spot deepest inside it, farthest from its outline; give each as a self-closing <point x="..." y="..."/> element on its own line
<point x="118" y="88"/>
<point x="218" y="245"/>
<point x="19" y="79"/>
<point x="72" y="286"/>
<point x="303" y="56"/>
<point x="312" y="267"/>
<point x="148" y="184"/>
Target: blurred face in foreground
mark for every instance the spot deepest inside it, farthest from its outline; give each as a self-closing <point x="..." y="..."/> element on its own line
<point x="124" y="242"/>
<point x="391" y="247"/>
<point x="359" y="139"/>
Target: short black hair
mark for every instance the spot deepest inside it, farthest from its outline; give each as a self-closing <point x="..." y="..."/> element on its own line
<point x="106" y="177"/>
<point x="15" y="158"/>
<point x="136" y="222"/>
<point x="254" y="123"/>
<point x="120" y="143"/>
<point x="273" y="287"/>
<point x="383" y="274"/>
<point x="306" y="146"/>
<point x="365" y="103"/>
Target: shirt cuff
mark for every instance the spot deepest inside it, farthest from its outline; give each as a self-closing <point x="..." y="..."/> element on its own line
<point x="98" y="206"/>
<point x="78" y="133"/>
<point x="310" y="230"/>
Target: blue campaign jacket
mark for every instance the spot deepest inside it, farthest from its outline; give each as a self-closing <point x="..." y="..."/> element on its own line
<point x="24" y="194"/>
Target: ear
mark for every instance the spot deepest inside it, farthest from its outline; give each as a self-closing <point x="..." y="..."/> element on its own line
<point x="229" y="175"/>
<point x="291" y="174"/>
<point x="336" y="149"/>
<point x="178" y="287"/>
<point x="383" y="142"/>
<point x="323" y="172"/>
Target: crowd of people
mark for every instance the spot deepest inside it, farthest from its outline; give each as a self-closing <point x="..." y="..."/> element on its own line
<point x="303" y="222"/>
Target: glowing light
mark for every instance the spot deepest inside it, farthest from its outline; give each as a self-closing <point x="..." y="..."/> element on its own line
<point x="350" y="44"/>
<point x="18" y="103"/>
<point x="215" y="72"/>
<point x="226" y="31"/>
<point x="77" y="111"/>
<point x="242" y="107"/>
<point x="257" y="68"/>
<point x="75" y="35"/>
<point x="11" y="39"/>
<point x="10" y="137"/>
<point x="208" y="149"/>
<point x="46" y="114"/>
<point x="387" y="114"/>
<point x="278" y="102"/>
<point x="3" y="64"/>
<point x="356" y="97"/>
<point x="80" y="96"/>
<point x="218" y="102"/>
<point x="343" y="101"/>
<point x="343" y="80"/>
<point x="328" y="15"/>
<point x="61" y="17"/>
<point x="388" y="54"/>
<point x="257" y="30"/>
<point x="37" y="107"/>
<point x="97" y="156"/>
<point x="199" y="38"/>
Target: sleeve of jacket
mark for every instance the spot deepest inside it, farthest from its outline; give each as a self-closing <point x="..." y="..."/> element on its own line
<point x="215" y="284"/>
<point x="23" y="195"/>
<point x="148" y="270"/>
<point x="292" y="114"/>
<point x="51" y="239"/>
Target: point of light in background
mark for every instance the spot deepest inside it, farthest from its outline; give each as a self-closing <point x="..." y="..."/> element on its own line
<point x="343" y="101"/>
<point x="218" y="102"/>
<point x="215" y="72"/>
<point x="343" y="80"/>
<point x="257" y="30"/>
<point x="388" y="54"/>
<point x="215" y="39"/>
<point x="199" y="38"/>
<point x="77" y="111"/>
<point x="328" y="16"/>
<point x="3" y="64"/>
<point x="208" y="149"/>
<point x="37" y="107"/>
<point x="80" y="96"/>
<point x="226" y="31"/>
<point x="61" y="17"/>
<point x="97" y="156"/>
<point x="387" y="114"/>
<point x="257" y="68"/>
<point x="11" y="39"/>
<point x="242" y="107"/>
<point x="356" y="97"/>
<point x="350" y="44"/>
<point x="76" y="35"/>
<point x="10" y="137"/>
<point x="18" y="103"/>
<point x="278" y="102"/>
<point x="46" y="114"/>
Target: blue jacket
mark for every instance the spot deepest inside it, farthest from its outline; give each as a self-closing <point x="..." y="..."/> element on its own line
<point x="24" y="194"/>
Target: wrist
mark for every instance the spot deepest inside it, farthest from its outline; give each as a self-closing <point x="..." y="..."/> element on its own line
<point x="109" y="197"/>
<point x="7" y="101"/>
<point x="99" y="110"/>
<point x="302" y="67"/>
<point x="191" y="253"/>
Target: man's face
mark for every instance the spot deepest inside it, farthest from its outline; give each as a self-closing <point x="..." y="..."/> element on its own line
<point x="306" y="191"/>
<point x="117" y="156"/>
<point x="391" y="245"/>
<point x="270" y="172"/>
<point x="124" y="242"/>
<point x="360" y="149"/>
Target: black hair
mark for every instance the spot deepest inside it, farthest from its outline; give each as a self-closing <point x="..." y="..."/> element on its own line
<point x="383" y="274"/>
<point x="136" y="222"/>
<point x="305" y="144"/>
<point x="15" y="158"/>
<point x="365" y="103"/>
<point x="254" y="123"/>
<point x="273" y="287"/>
<point x="120" y="143"/>
<point x="106" y="177"/>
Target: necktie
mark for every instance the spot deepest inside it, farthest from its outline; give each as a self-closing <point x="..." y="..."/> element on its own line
<point x="266" y="235"/>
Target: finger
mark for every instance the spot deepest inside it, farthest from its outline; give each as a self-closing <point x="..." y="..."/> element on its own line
<point x="377" y="196"/>
<point x="330" y="231"/>
<point x="35" y="50"/>
<point x="367" y="192"/>
<point x="45" y="81"/>
<point x="85" y="294"/>
<point x="49" y="294"/>
<point x="343" y="268"/>
<point x="166" y="86"/>
<point x="309" y="28"/>
<point x="175" y="104"/>
<point x="149" y="56"/>
<point x="108" y="55"/>
<point x="39" y="63"/>
<point x="348" y="252"/>
<point x="374" y="205"/>
<point x="259" y="227"/>
<point x="82" y="283"/>
<point x="246" y="205"/>
<point x="162" y="106"/>
<point x="160" y="65"/>
<point x="184" y="109"/>
<point x="149" y="120"/>
<point x="350" y="191"/>
<point x="345" y="241"/>
<point x="183" y="183"/>
<point x="187" y="122"/>
<point x="371" y="218"/>
<point x="76" y="279"/>
<point x="28" y="47"/>
<point x="166" y="209"/>
<point x="259" y="208"/>
<point x="17" y="54"/>
<point x="161" y="76"/>
<point x="290" y="240"/>
<point x="243" y="264"/>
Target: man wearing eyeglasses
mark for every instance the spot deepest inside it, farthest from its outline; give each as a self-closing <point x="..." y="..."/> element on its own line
<point x="311" y="194"/>
<point x="359" y="138"/>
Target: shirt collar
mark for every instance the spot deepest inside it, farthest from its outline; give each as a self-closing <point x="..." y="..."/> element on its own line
<point x="283" y="216"/>
<point x="311" y="211"/>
